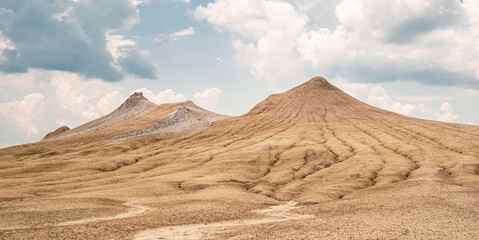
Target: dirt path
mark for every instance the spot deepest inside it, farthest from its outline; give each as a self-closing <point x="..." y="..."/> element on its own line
<point x="278" y="213"/>
<point x="135" y="210"/>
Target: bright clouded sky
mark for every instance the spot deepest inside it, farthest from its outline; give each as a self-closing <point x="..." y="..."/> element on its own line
<point x="65" y="62"/>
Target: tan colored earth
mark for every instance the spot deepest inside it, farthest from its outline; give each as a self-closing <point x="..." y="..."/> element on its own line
<point x="310" y="163"/>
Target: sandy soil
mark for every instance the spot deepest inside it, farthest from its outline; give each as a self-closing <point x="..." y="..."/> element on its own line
<point x="355" y="172"/>
<point x="273" y="214"/>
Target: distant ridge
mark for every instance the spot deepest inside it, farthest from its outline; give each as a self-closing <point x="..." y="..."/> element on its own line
<point x="135" y="104"/>
<point x="186" y="117"/>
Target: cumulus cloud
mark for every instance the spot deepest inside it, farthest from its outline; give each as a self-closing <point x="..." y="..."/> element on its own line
<point x="66" y="99"/>
<point x="24" y="113"/>
<point x="431" y="42"/>
<point x="378" y="97"/>
<point x="73" y="94"/>
<point x="166" y="96"/>
<point x="447" y="113"/>
<point x="138" y="63"/>
<point x="117" y="45"/>
<point x="109" y="102"/>
<point x="378" y="41"/>
<point x="269" y="30"/>
<point x="208" y="98"/>
<point x="67" y="36"/>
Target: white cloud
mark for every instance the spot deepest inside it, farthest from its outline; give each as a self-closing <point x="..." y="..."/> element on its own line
<point x="378" y="97"/>
<point x="110" y="102"/>
<point x="117" y="45"/>
<point x="78" y="42"/>
<point x="166" y="96"/>
<point x="324" y="47"/>
<point x="24" y="112"/>
<point x="357" y="90"/>
<point x="252" y="18"/>
<point x="471" y="92"/>
<point x="269" y="30"/>
<point x="73" y="93"/>
<point x="398" y="39"/>
<point x="182" y="33"/>
<point x="447" y="113"/>
<point x="63" y="16"/>
<point x="424" y="98"/>
<point x="433" y="42"/>
<point x="208" y="98"/>
<point x="163" y="39"/>
<point x="138" y="2"/>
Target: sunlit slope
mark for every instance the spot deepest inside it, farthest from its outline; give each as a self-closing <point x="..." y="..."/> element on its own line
<point x="312" y="144"/>
<point x="316" y="143"/>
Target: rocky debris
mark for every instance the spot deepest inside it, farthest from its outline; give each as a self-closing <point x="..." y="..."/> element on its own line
<point x="183" y="119"/>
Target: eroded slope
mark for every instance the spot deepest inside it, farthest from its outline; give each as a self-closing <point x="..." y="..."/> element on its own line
<point x="359" y="170"/>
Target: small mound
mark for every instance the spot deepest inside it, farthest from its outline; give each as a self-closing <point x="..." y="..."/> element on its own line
<point x="59" y="130"/>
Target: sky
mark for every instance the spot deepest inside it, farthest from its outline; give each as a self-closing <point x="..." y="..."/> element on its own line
<point x="66" y="62"/>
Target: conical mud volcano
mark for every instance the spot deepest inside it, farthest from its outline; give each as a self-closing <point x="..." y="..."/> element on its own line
<point x="309" y="163"/>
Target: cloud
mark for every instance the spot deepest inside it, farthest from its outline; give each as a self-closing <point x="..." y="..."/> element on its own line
<point x="447" y="113"/>
<point x="208" y="98"/>
<point x="138" y="2"/>
<point x="356" y="90"/>
<point x="24" y="113"/>
<point x="430" y="42"/>
<point x="163" y="39"/>
<point x="426" y="98"/>
<point x="109" y="102"/>
<point x="166" y="96"/>
<point x="380" y="41"/>
<point x="184" y="32"/>
<point x="67" y="36"/>
<point x="471" y="92"/>
<point x="138" y="63"/>
<point x="117" y="45"/>
<point x="378" y="97"/>
<point x="268" y="30"/>
<point x="73" y="94"/>
<point x="65" y="99"/>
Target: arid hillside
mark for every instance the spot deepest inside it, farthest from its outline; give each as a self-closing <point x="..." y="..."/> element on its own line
<point x="309" y="163"/>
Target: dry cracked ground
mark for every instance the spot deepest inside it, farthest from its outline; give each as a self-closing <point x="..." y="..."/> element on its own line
<point x="310" y="163"/>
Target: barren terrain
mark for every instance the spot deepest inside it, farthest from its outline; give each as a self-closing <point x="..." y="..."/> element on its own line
<point x="310" y="163"/>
